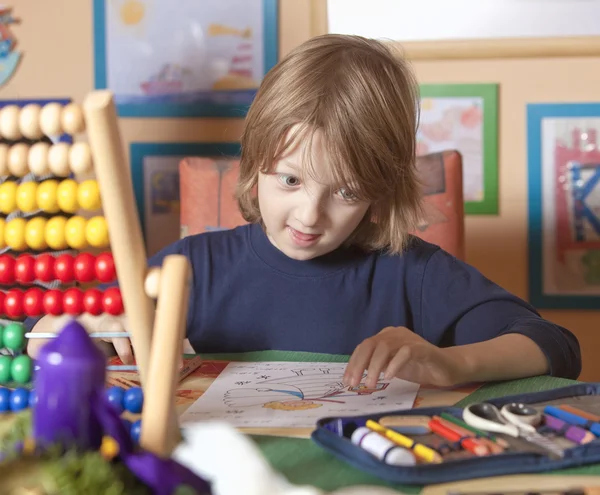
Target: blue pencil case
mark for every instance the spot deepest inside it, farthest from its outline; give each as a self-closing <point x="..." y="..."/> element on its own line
<point x="511" y="455"/>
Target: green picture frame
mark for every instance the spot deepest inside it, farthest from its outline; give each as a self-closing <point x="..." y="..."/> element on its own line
<point x="480" y="161"/>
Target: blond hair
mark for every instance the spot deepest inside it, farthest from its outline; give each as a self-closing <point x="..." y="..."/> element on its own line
<point x="364" y="99"/>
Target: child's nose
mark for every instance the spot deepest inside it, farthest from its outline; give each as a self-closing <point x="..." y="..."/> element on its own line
<point x="309" y="212"/>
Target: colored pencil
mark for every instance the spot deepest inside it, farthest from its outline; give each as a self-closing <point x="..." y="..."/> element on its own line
<point x="500" y="441"/>
<point x="422" y="451"/>
<point x="579" y="412"/>
<point x="493" y="447"/>
<point x="468" y="443"/>
<point x="574" y="433"/>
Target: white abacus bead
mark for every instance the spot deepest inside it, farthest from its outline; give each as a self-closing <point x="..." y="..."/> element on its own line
<point x="38" y="159"/>
<point x="29" y="121"/>
<point x="72" y="119"/>
<point x="152" y="282"/>
<point x="17" y="159"/>
<point x="58" y="159"/>
<point x="9" y="122"/>
<point x="80" y="158"/>
<point x="50" y="119"/>
<point x="4" y="159"/>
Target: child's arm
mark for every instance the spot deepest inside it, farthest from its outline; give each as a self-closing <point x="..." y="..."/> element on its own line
<point x="466" y="328"/>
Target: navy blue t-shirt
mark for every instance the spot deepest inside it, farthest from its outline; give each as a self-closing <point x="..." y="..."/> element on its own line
<point x="248" y="296"/>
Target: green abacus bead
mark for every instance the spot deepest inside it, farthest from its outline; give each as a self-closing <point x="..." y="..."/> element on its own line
<point x="21" y="369"/>
<point x="5" y="365"/>
<point x="13" y="337"/>
<point x="1" y="335"/>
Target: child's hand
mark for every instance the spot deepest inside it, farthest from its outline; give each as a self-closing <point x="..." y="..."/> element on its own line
<point x="399" y="352"/>
<point x="93" y="324"/>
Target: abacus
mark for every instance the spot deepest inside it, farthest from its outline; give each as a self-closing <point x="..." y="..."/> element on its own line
<point x="118" y="229"/>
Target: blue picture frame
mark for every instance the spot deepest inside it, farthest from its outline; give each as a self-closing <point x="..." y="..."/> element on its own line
<point x="139" y="151"/>
<point x="239" y="101"/>
<point x="536" y="114"/>
<point x="64" y="138"/>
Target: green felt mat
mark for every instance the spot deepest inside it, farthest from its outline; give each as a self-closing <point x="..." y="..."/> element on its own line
<point x="304" y="463"/>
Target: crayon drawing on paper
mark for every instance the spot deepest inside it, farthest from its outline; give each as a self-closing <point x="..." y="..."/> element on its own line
<point x="293" y="394"/>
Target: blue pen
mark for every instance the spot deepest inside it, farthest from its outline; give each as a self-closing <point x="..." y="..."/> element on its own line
<point x="573" y="419"/>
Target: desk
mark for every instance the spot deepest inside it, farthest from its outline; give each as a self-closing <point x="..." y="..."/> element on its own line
<point x="303" y="462"/>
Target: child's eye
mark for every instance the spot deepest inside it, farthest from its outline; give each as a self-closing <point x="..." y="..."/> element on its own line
<point x="347" y="194"/>
<point x="289" y="180"/>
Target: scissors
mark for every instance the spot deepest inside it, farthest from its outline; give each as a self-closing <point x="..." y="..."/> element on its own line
<point x="515" y="419"/>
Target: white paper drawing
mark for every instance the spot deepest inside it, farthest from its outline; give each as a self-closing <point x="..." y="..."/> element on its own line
<point x="293" y="395"/>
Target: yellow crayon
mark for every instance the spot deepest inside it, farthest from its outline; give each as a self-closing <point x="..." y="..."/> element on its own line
<point x="420" y="450"/>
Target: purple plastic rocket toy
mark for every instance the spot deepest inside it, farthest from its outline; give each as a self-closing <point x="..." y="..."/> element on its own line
<point x="71" y="374"/>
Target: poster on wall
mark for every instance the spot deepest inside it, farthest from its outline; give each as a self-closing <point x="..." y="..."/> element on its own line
<point x="564" y="205"/>
<point x="463" y="117"/>
<point x="156" y="184"/>
<point x="10" y="56"/>
<point x="185" y="58"/>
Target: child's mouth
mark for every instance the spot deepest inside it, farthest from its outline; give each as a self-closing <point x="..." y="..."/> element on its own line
<point x="302" y="239"/>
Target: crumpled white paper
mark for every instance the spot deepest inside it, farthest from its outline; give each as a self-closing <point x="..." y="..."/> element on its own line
<point x="234" y="465"/>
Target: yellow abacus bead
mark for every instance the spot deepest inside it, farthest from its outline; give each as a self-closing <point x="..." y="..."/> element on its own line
<point x="14" y="234"/>
<point x="96" y="232"/>
<point x="88" y="195"/>
<point x="9" y="122"/>
<point x="46" y="196"/>
<point x="38" y="159"/>
<point x="17" y="159"/>
<point x="8" y="197"/>
<point x="58" y="159"/>
<point x="2" y="230"/>
<point x="35" y="233"/>
<point x="55" y="233"/>
<point x="50" y="119"/>
<point x="29" y="121"/>
<point x="66" y="196"/>
<point x="75" y="232"/>
<point x="72" y="119"/>
<point x="27" y="196"/>
<point x="4" y="159"/>
<point x="80" y="158"/>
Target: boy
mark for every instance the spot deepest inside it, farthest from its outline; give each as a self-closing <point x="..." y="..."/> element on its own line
<point x="328" y="185"/>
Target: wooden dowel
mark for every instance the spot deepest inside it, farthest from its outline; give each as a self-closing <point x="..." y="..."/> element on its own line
<point x="127" y="244"/>
<point x="160" y="432"/>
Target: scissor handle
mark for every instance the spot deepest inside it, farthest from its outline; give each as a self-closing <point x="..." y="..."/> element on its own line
<point x="485" y="416"/>
<point x="521" y="415"/>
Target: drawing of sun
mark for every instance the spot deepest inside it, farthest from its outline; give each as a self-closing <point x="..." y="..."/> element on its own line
<point x="132" y="12"/>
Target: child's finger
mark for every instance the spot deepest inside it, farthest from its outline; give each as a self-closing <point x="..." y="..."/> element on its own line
<point x="401" y="358"/>
<point x="358" y="363"/>
<point x="123" y="349"/>
<point x="379" y="361"/>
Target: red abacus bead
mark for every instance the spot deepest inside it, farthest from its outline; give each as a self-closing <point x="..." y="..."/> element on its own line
<point x="7" y="269"/>
<point x="105" y="267"/>
<point x="112" y="302"/>
<point x="92" y="302"/>
<point x="25" y="269"/>
<point x="2" y="299"/>
<point x="53" y="302"/>
<point x="84" y="268"/>
<point x="33" y="302"/>
<point x="44" y="267"/>
<point x="63" y="268"/>
<point x="13" y="303"/>
<point x="73" y="301"/>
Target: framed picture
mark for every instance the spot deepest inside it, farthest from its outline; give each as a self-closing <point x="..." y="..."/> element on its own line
<point x="564" y="205"/>
<point x="64" y="138"/>
<point x="155" y="176"/>
<point x="464" y="117"/>
<point x="184" y="58"/>
<point x="435" y="29"/>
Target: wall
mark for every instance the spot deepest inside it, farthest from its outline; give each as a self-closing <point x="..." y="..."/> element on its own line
<point x="57" y="40"/>
<point x="497" y="245"/>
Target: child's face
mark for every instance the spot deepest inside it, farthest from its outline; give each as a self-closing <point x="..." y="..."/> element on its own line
<point x="305" y="216"/>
